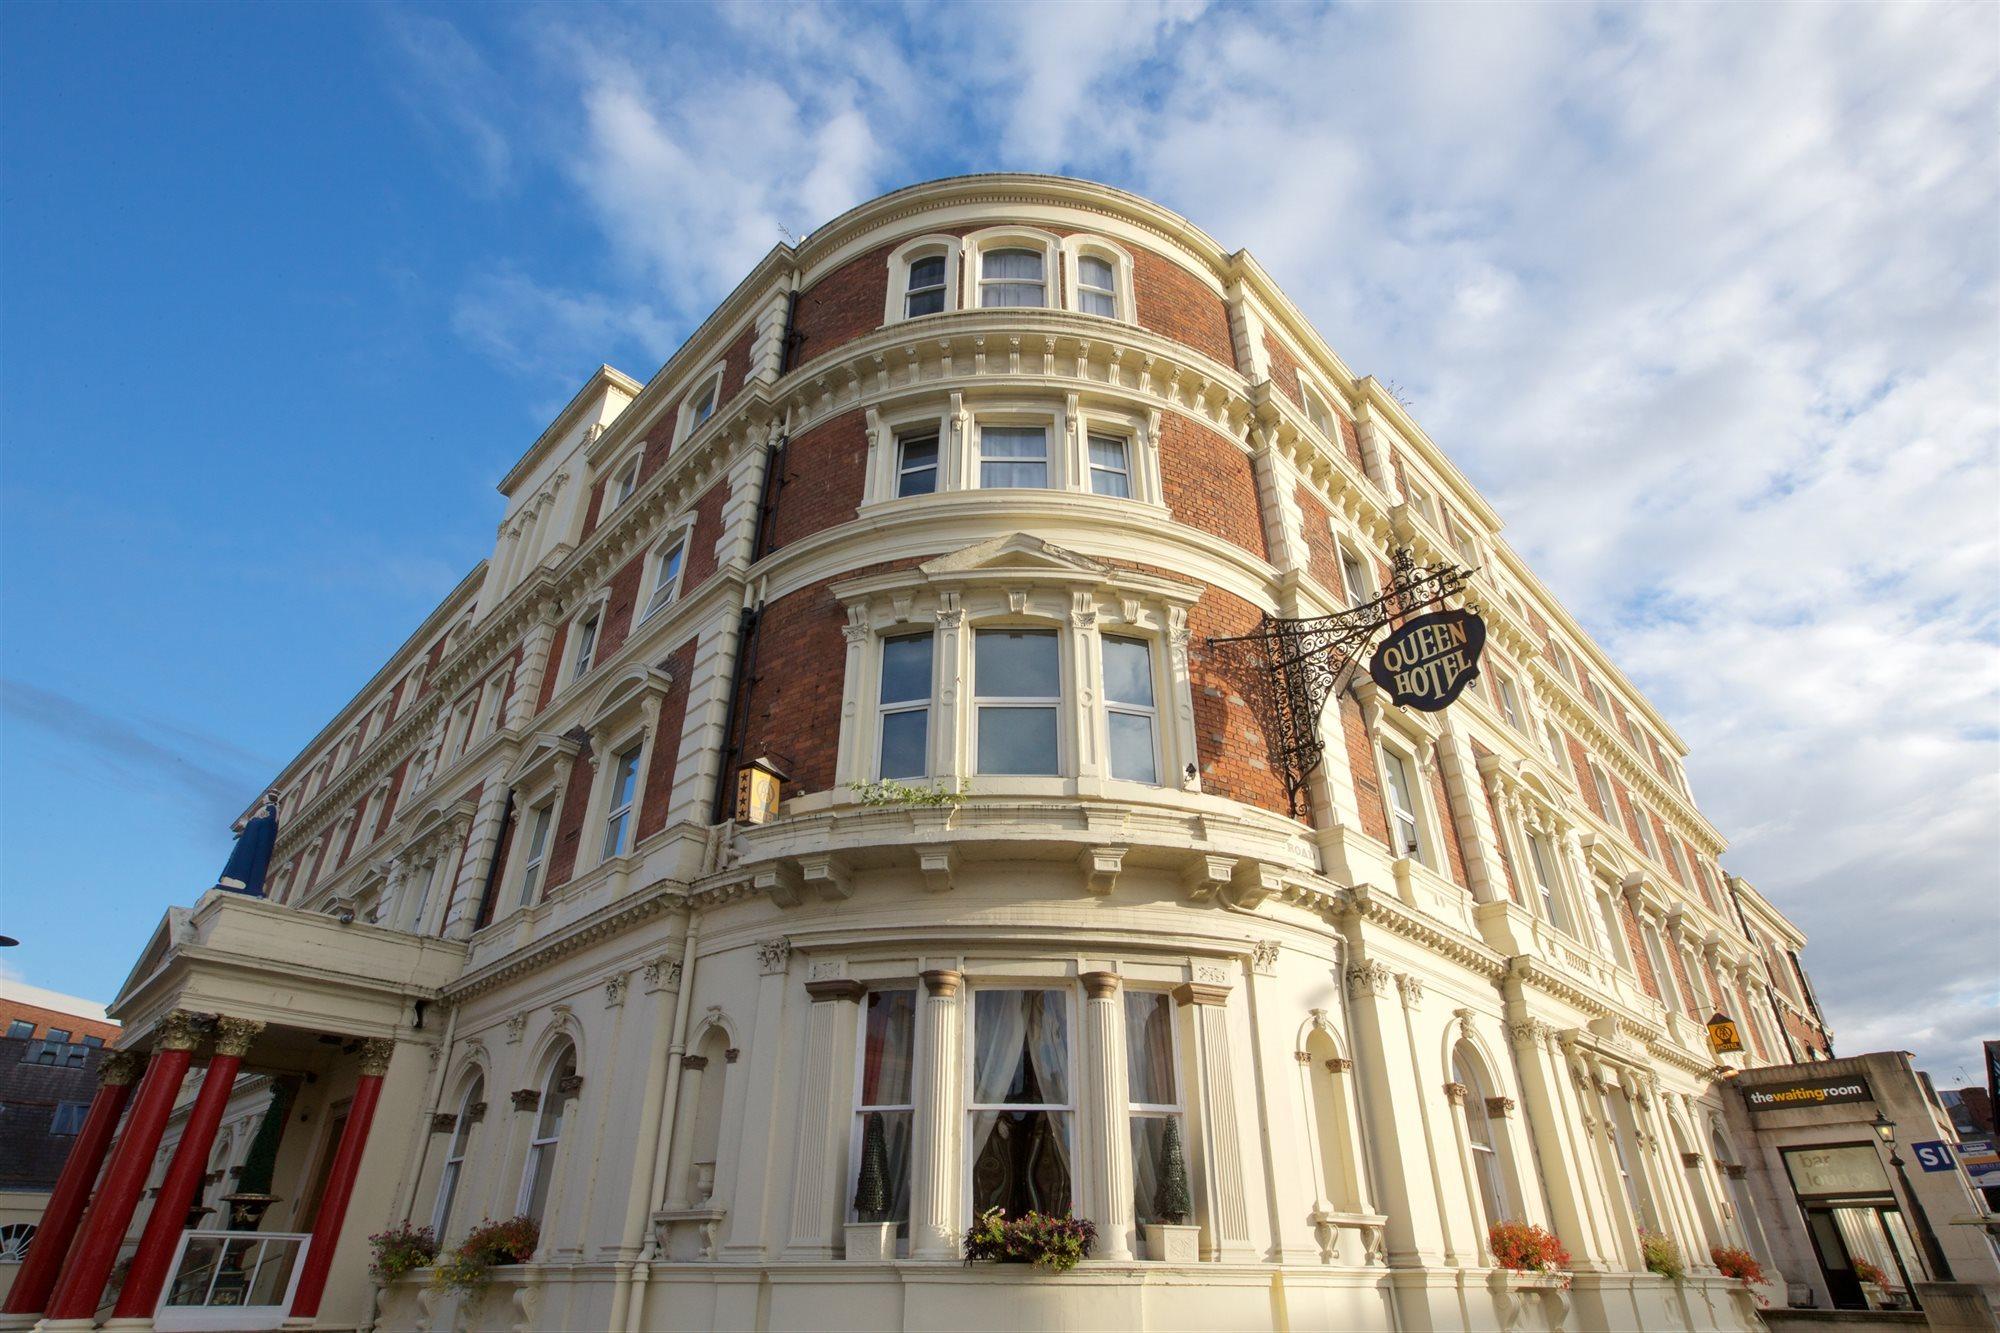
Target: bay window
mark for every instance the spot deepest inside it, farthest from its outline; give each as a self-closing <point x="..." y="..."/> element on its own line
<point x="1022" y="1106"/>
<point x="1153" y="1088"/>
<point x="1017" y="679"/>
<point x="1013" y="457"/>
<point x="1110" y="467"/>
<point x="923" y="293"/>
<point x="624" y="787"/>
<point x="884" y="1097"/>
<point x="1129" y="713"/>
<point x="1013" y="278"/>
<point x="1096" y="286"/>
<point x="917" y="464"/>
<point x="905" y="697"/>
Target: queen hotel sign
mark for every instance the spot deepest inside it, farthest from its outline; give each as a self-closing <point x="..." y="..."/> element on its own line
<point x="1426" y="662"/>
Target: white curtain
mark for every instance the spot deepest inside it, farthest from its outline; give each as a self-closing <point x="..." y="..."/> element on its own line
<point x="1048" y="1052"/>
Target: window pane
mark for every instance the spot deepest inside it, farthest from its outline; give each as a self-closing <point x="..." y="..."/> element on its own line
<point x="917" y="481"/>
<point x="1110" y="483"/>
<point x="1017" y="264"/>
<point x="1013" y="442"/>
<point x="885" y="1060"/>
<point x="896" y="1127"/>
<point x="1014" y="476"/>
<point x="905" y="740"/>
<point x="1097" y="303"/>
<point x="924" y="303"/>
<point x="927" y="272"/>
<point x="1021" y="1162"/>
<point x="1128" y="672"/>
<point x="1149" y="1048"/>
<point x="1012" y="295"/>
<point x="1016" y="664"/>
<point x="920" y="451"/>
<point x="906" y="668"/>
<point x="1132" y="757"/>
<point x="1093" y="272"/>
<point x="627" y="775"/>
<point x="1017" y="741"/>
<point x="917" y="468"/>
<point x="1149" y="1164"/>
<point x="1020" y="1047"/>
<point x="1106" y="451"/>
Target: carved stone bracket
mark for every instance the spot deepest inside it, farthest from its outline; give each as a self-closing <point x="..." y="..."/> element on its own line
<point x="773" y="956"/>
<point x="443" y="1122"/>
<point x="526" y="1099"/>
<point x="1499" y="1107"/>
<point x="1264" y="958"/>
<point x="1456" y="1093"/>
<point x="570" y="1087"/>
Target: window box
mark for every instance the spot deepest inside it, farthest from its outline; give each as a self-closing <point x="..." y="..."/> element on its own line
<point x="1169" y="1244"/>
<point x="871" y="1242"/>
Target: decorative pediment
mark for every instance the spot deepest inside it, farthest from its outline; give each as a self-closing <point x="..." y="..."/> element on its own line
<point x="1019" y="560"/>
<point x="627" y="696"/>
<point x="1020" y="552"/>
<point x="545" y="752"/>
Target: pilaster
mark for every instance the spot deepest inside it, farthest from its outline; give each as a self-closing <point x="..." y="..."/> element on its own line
<point x="825" y="1094"/>
<point x="1107" y="1115"/>
<point x="940" y="1112"/>
<point x="1225" y="1214"/>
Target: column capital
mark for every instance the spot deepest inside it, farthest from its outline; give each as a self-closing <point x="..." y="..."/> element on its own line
<point x="234" y="1035"/>
<point x="1102" y="985"/>
<point x="178" y="1031"/>
<point x="942" y="982"/>
<point x="1201" y="992"/>
<point x="838" y="988"/>
<point x="375" y="1053"/>
<point x="119" y="1069"/>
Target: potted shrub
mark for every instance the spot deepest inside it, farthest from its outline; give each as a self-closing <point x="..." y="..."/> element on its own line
<point x="872" y="1240"/>
<point x="468" y="1268"/>
<point x="1662" y="1256"/>
<point x="1874" y="1284"/>
<point x="1523" y="1248"/>
<point x="399" y="1250"/>
<point x="1741" y="1265"/>
<point x="1054" y="1243"/>
<point x="1173" y="1240"/>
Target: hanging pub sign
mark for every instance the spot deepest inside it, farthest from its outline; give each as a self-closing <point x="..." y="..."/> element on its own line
<point x="1426" y="662"/>
<point x="1722" y="1035"/>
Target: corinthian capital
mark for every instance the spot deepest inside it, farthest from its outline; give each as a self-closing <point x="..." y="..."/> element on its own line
<point x="234" y="1035"/>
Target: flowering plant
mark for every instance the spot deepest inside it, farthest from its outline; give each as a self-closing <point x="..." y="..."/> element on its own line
<point x="466" y="1268"/>
<point x="1868" y="1272"/>
<point x="1739" y="1264"/>
<point x="399" y="1250"/>
<point x="1661" y="1254"/>
<point x="1056" y="1243"/>
<point x="1523" y="1247"/>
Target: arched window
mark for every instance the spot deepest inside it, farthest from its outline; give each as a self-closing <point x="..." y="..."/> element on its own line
<point x="454" y="1154"/>
<point x="1487" y="1170"/>
<point x="541" y="1166"/>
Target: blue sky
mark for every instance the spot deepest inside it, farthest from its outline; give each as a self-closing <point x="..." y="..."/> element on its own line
<point x="1703" y="298"/>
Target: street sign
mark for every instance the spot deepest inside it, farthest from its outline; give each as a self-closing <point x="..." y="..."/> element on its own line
<point x="1934" y="1156"/>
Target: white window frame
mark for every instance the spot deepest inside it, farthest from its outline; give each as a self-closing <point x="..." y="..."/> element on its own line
<point x="1351" y="562"/>
<point x="1059" y="702"/>
<point x="1467" y="1073"/>
<point x="1421" y="501"/>
<point x="1510" y="702"/>
<point x="538" y="1145"/>
<point x="894" y="310"/>
<point x="1647" y="842"/>
<point x="977" y="244"/>
<point x="916" y="434"/>
<point x="676" y="544"/>
<point x="494" y="708"/>
<point x="1067" y="987"/>
<point x="623" y="483"/>
<point x="1092" y="467"/>
<point x="456" y="1150"/>
<point x="709" y="381"/>
<point x="1545" y="866"/>
<point x="1150" y="712"/>
<point x="861" y="1108"/>
<point x="583" y="659"/>
<point x="1606" y="796"/>
<point x="624" y="818"/>
<point x="897" y="706"/>
<point x="1050" y="426"/>
<point x="1136" y="1110"/>
<point x="1075" y="249"/>
<point x="534" y="860"/>
<point x="1663" y="963"/>
<point x="1413" y="792"/>
<point x="1607" y="926"/>
<point x="1318" y="409"/>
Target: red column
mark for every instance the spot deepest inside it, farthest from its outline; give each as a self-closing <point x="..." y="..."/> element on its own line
<point x="96" y="1250"/>
<point x="37" y="1275"/>
<point x="340" y="1179"/>
<point x="169" y="1216"/>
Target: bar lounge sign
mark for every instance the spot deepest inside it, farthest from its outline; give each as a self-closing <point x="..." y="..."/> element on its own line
<point x="1427" y="662"/>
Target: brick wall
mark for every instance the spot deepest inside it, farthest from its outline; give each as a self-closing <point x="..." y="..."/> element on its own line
<point x="1454" y="849"/>
<point x="1284" y="368"/>
<point x="792" y="708"/>
<point x="1209" y="485"/>
<point x="1635" y="944"/>
<point x="824" y="470"/>
<point x="1230" y="744"/>
<point x="1579" y="762"/>
<point x="1361" y="763"/>
<point x="842" y="306"/>
<point x="1500" y="842"/>
<point x="395" y="794"/>
<point x="553" y="670"/>
<point x="76" y="1025"/>
<point x="1350" y="444"/>
<point x="1690" y="997"/>
<point x="654" y="800"/>
<point x="569" y="822"/>
<point x="702" y="537"/>
<point x="616" y="625"/>
<point x="1322" y="558"/>
<point x="1175" y="304"/>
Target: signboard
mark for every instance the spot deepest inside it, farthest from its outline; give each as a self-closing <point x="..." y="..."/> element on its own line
<point x="756" y="794"/>
<point x="1934" y="1155"/>
<point x="1426" y="662"/>
<point x="1851" y="1169"/>
<point x="1808" y="1093"/>
<point x="1722" y="1035"/>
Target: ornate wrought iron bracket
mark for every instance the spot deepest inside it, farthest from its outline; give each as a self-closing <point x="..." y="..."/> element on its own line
<point x="1308" y="660"/>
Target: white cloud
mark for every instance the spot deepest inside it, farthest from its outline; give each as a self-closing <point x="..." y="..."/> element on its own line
<point x="1703" y="297"/>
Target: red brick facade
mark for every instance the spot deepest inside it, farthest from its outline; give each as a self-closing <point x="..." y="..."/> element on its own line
<point x="665" y="761"/>
<point x="824" y="471"/>
<point x="1175" y="304"/>
<point x="1234" y="753"/>
<point x="1209" y="484"/>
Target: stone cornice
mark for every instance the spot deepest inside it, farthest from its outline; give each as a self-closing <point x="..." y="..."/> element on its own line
<point x="300" y="826"/>
<point x="607" y="922"/>
<point x="1372" y="906"/>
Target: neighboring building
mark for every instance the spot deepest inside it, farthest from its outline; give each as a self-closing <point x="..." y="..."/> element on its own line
<point x="51" y="1047"/>
<point x="937" y="517"/>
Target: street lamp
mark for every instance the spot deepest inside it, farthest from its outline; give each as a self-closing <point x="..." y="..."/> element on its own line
<point x="1885" y="1130"/>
